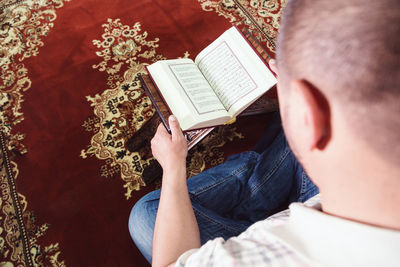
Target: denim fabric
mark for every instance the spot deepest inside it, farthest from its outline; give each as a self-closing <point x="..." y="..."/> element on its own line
<point x="228" y="198"/>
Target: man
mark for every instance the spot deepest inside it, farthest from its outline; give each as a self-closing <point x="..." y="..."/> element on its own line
<point x="338" y="66"/>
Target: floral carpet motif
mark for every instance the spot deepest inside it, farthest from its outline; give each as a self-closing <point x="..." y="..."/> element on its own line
<point x="262" y="17"/>
<point x="121" y="110"/>
<point x="19" y="234"/>
<point x="23" y="24"/>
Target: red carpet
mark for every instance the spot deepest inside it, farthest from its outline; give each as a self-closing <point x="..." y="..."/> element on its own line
<point x="71" y="99"/>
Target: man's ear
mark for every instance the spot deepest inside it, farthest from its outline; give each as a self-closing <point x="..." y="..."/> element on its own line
<point x="316" y="114"/>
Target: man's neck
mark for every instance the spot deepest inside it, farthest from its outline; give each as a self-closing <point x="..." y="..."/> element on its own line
<point x="356" y="182"/>
<point x="367" y="201"/>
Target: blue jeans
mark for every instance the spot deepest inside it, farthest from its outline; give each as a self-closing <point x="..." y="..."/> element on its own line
<point x="228" y="198"/>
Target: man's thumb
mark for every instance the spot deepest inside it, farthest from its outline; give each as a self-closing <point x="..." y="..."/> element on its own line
<point x="174" y="125"/>
<point x="272" y="66"/>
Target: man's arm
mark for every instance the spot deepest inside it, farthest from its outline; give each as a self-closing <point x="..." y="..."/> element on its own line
<point x="176" y="229"/>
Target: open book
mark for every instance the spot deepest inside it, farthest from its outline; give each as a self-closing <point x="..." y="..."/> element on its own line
<point x="225" y="78"/>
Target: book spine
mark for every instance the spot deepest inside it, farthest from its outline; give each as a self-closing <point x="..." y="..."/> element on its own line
<point x="158" y="90"/>
<point x="150" y="95"/>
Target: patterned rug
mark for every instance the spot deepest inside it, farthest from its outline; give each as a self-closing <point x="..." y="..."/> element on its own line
<point x="70" y="100"/>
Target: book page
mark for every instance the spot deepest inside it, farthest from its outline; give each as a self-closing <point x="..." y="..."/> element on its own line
<point x="235" y="71"/>
<point x="187" y="93"/>
<point x="196" y="87"/>
<point x="226" y="74"/>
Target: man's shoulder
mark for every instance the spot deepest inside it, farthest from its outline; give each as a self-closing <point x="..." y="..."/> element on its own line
<point x="258" y="245"/>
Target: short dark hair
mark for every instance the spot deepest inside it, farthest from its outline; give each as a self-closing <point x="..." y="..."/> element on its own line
<point x="350" y="50"/>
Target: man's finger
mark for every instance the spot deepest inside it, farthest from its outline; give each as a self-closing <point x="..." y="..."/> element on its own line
<point x="273" y="67"/>
<point x="161" y="129"/>
<point x="174" y="126"/>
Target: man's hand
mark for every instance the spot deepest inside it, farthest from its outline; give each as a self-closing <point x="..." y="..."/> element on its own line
<point x="169" y="150"/>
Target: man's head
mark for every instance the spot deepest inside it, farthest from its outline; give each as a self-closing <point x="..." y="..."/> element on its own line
<point x="348" y="52"/>
<point x="339" y="77"/>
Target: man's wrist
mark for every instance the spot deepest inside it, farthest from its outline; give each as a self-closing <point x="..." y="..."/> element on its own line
<point x="174" y="174"/>
<point x="174" y="166"/>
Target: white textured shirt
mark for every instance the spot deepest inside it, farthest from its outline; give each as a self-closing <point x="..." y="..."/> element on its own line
<point x="301" y="236"/>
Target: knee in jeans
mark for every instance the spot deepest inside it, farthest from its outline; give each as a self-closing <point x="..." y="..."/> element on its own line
<point x="139" y="217"/>
<point x="141" y="224"/>
<point x="134" y="219"/>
